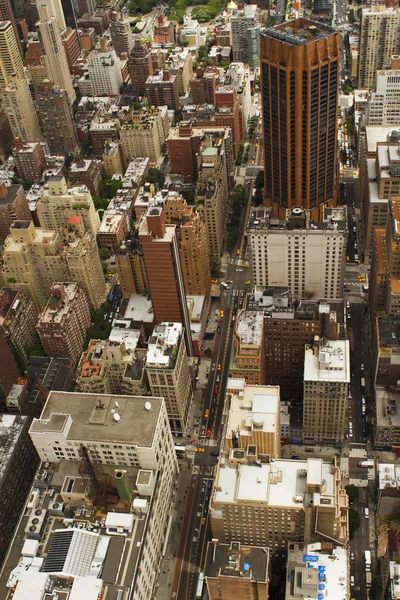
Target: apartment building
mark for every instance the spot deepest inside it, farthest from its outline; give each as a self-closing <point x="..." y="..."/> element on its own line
<point x="104" y="71"/>
<point x="115" y="366"/>
<point x="254" y="420"/>
<point x="160" y="248"/>
<point x="121" y="34"/>
<point x="243" y="23"/>
<point x="299" y="172"/>
<point x="236" y="570"/>
<point x="308" y="257"/>
<point x="101" y="130"/>
<point x="326" y="390"/>
<point x="139" y="66"/>
<point x="162" y="89"/>
<point x="264" y="503"/>
<point x="18" y="318"/>
<point x="131" y="268"/>
<point x="143" y="460"/>
<point x="114" y="226"/>
<point x="248" y="350"/>
<point x="144" y="131"/>
<point x="19" y="463"/>
<point x="34" y="258"/>
<point x="85" y="171"/>
<point x="20" y="109"/>
<point x="387" y="423"/>
<point x="184" y="144"/>
<point x="29" y="160"/>
<point x="202" y="87"/>
<point x="379" y="40"/>
<point x="168" y="373"/>
<point x="228" y="113"/>
<point x="9" y="370"/>
<point x="14" y="206"/>
<point x="180" y="63"/>
<point x="388" y="489"/>
<point x="56" y="118"/>
<point x="63" y="324"/>
<point x="60" y="202"/>
<point x="383" y="104"/>
<point x="11" y="58"/>
<point x="385" y="350"/>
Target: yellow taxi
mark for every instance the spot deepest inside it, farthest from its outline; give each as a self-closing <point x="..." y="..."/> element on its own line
<point x="238" y="252"/>
<point x="203" y="521"/>
<point x="247" y="282"/>
<point x="207" y="412"/>
<point x="199" y="450"/>
<point x="229" y="281"/>
<point x="245" y="265"/>
<point x="221" y="314"/>
<point x="219" y="367"/>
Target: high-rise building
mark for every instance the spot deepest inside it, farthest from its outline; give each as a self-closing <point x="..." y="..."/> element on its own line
<point x="143" y="132"/>
<point x="383" y="105"/>
<point x="254" y="420"/>
<point x="121" y="34"/>
<point x="34" y="258"/>
<point x="168" y="372"/>
<point x="104" y="69"/>
<point x="18" y="318"/>
<point x="379" y="40"/>
<point x="62" y="325"/>
<point x="308" y="257"/>
<point x="70" y="40"/>
<point x="270" y="503"/>
<point x="112" y="158"/>
<point x="10" y="55"/>
<point x="85" y="171"/>
<point x="236" y="570"/>
<point x="326" y="389"/>
<point x="164" y="31"/>
<point x="7" y="14"/>
<point x="6" y="135"/>
<point x="140" y="67"/>
<point x="299" y="59"/>
<point x="20" y="109"/>
<point x="14" y="206"/>
<point x="202" y="87"/>
<point x="145" y="450"/>
<point x="183" y="147"/>
<point x="29" y="160"/>
<point x="56" y="119"/>
<point x="60" y="202"/>
<point x="164" y="272"/>
<point x="54" y="9"/>
<point x="69" y="10"/>
<point x="131" y="268"/>
<point x="228" y="113"/>
<point x="243" y="23"/>
<point x="248" y="351"/>
<point x="55" y="56"/>
<point x="162" y="89"/>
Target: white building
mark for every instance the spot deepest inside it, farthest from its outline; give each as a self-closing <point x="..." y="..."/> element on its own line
<point x="54" y="8"/>
<point x="191" y="32"/>
<point x="55" y="56"/>
<point x="242" y="22"/>
<point x="307" y="257"/>
<point x="238" y="75"/>
<point x="58" y="203"/>
<point x="326" y="389"/>
<point x="384" y="104"/>
<point x="104" y="70"/>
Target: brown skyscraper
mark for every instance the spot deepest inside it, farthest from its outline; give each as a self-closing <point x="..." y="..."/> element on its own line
<point x="139" y="66"/>
<point x="299" y="83"/>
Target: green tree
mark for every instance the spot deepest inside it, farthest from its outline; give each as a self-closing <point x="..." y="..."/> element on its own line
<point x="352" y="492"/>
<point x="354" y="522"/>
<point x="104" y="253"/>
<point x="215" y="266"/>
<point x="231" y="238"/>
<point x="352" y="16"/>
<point x="155" y="176"/>
<point x="100" y="329"/>
<point x="100" y="203"/>
<point x="270" y="21"/>
<point x="36" y="348"/>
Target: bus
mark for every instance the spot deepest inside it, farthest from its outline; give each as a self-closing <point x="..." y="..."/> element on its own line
<point x="368" y="579"/>
<point x="363" y="382"/>
<point x="200" y="585"/>
<point x="367" y="555"/>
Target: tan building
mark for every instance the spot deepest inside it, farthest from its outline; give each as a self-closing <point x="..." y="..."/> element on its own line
<point x="10" y="55"/>
<point x="253" y="422"/>
<point x="162" y="89"/>
<point x="18" y="317"/>
<point x="20" y="109"/>
<point x="131" y="269"/>
<point x="63" y="324"/>
<point x="264" y="503"/>
<point x="114" y="225"/>
<point x="387" y="423"/>
<point x="60" y="202"/>
<point x="326" y="389"/>
<point x="121" y="34"/>
<point x="237" y="571"/>
<point x="379" y="40"/>
<point x="143" y="132"/>
<point x="29" y="160"/>
<point x="113" y="367"/>
<point x="14" y="206"/>
<point x="180" y="63"/>
<point x="381" y="181"/>
<point x="248" y="351"/>
<point x="34" y="258"/>
<point x="168" y="373"/>
<point x="112" y="158"/>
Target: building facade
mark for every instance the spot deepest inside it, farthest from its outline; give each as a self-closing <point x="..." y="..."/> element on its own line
<point x="56" y="119"/>
<point x="14" y="206"/>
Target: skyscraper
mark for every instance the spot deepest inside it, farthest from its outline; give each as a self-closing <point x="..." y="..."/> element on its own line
<point x="55" y="58"/>
<point x="10" y="56"/>
<point x="379" y="40"/>
<point x="56" y="119"/>
<point x="121" y="34"/>
<point x="140" y="66"/>
<point x="299" y="86"/>
<point x="6" y="14"/>
<point x="20" y="109"/>
<point x="54" y="8"/>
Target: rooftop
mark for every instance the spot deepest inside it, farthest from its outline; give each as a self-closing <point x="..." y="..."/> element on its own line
<point x="387" y="407"/>
<point x="11" y="427"/>
<point x="163" y="345"/>
<point x="61" y="302"/>
<point x="139" y="308"/>
<point x="328" y="360"/>
<point x="91" y="417"/>
<point x="334" y="219"/>
<point x="388" y="476"/>
<point x="249" y="327"/>
<point x="237" y="560"/>
<point x="299" y="31"/>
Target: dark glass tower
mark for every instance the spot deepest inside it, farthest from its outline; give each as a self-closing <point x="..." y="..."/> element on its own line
<point x="299" y="86"/>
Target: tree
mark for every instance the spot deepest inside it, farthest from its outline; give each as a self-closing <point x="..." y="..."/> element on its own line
<point x="100" y="329"/>
<point x="36" y="349"/>
<point x="354" y="522"/>
<point x="352" y="17"/>
<point x="155" y="176"/>
<point x="352" y="492"/>
<point x="104" y="253"/>
<point x="208" y="352"/>
<point x="270" y="21"/>
<point x="100" y="203"/>
<point x="215" y="266"/>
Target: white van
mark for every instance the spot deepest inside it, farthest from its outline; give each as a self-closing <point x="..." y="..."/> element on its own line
<point x="366" y="513"/>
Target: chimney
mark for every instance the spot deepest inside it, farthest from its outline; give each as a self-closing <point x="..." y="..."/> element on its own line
<point x="3" y="190"/>
<point x="156" y="222"/>
<point x="200" y="72"/>
<point x="165" y="75"/>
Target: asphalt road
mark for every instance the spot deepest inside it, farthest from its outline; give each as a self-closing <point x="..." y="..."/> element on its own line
<point x="355" y="332"/>
<point x="358" y="545"/>
<point x="195" y="529"/>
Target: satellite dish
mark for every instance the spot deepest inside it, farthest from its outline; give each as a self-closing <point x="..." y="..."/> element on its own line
<point x="116" y="417"/>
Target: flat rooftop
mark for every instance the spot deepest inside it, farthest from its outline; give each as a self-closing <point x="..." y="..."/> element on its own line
<point x="139" y="308"/>
<point x="257" y="407"/>
<point x="279" y="483"/>
<point x="249" y="326"/>
<point x="299" y="31"/>
<point x="329" y="362"/>
<point x="237" y="560"/>
<point x="388" y="476"/>
<point x="163" y="345"/>
<point x="92" y="417"/>
<point x="11" y="427"/>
